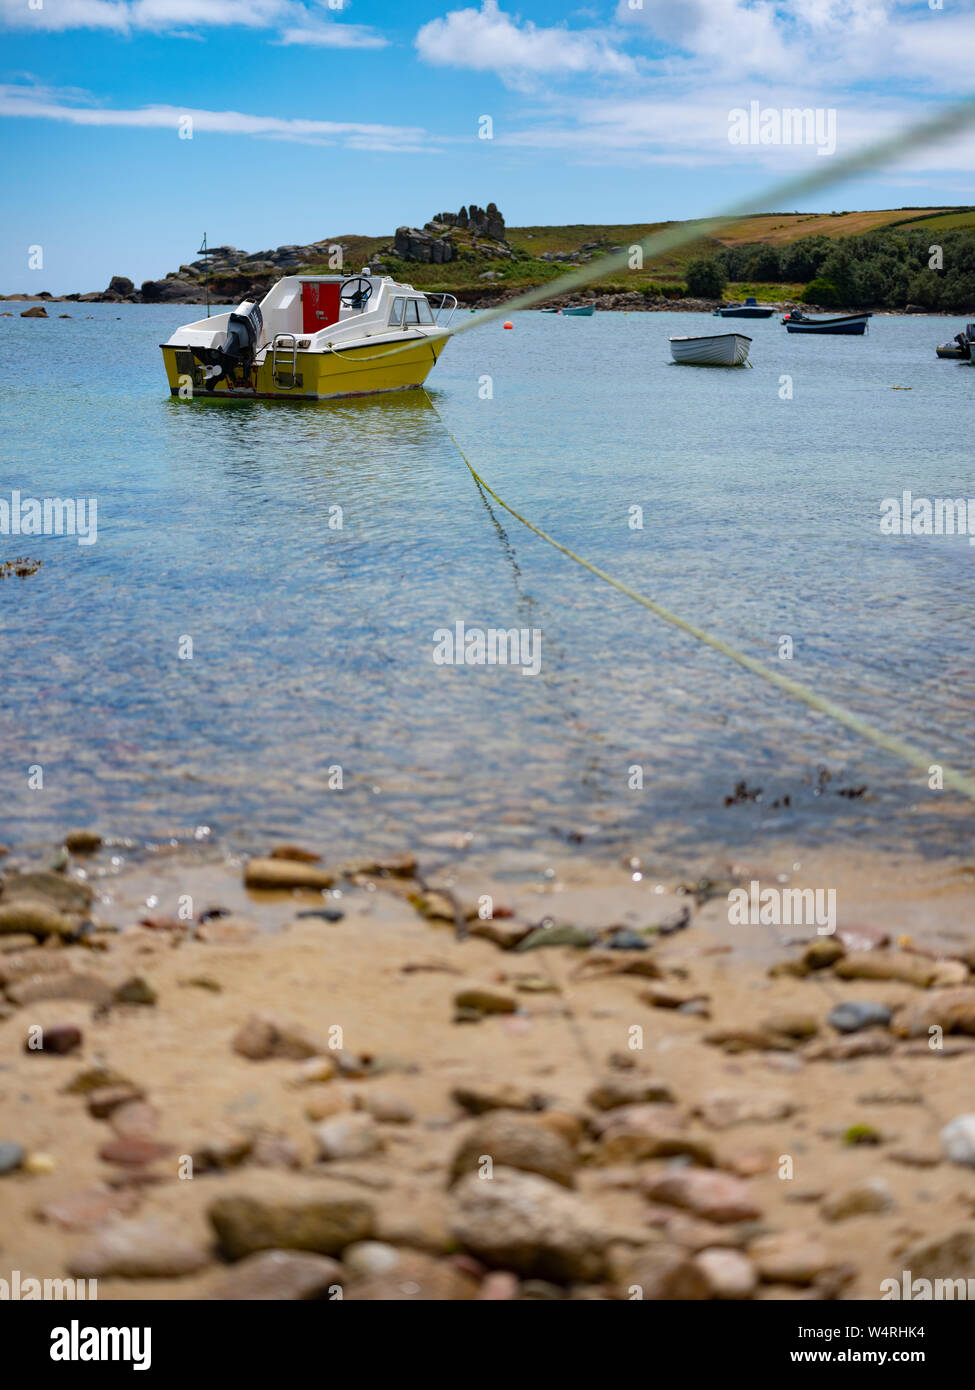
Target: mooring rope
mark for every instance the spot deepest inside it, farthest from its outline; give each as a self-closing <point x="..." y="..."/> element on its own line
<point x="890" y="743"/>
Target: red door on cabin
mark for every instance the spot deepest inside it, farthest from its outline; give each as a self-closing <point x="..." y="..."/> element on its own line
<point x="319" y="305"/>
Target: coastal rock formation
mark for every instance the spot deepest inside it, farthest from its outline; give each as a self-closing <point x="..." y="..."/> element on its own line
<point x="453" y="235"/>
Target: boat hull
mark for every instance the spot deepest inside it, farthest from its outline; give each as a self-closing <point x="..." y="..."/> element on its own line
<point x="363" y="370"/>
<point x="751" y="313"/>
<point x="714" y="350"/>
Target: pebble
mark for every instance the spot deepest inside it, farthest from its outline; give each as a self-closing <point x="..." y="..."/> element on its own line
<point x="614" y="1091"/>
<point x="945" y="1256"/>
<point x="89" y="1208"/>
<point x="105" y="1099"/>
<point x="887" y="965"/>
<point x="661" y="1272"/>
<point x="515" y="1141"/>
<point x="863" y="938"/>
<point x="789" y="1257"/>
<point x="68" y="984"/>
<point x="853" y="1015"/>
<point x="367" y="1258"/>
<point x="952" y="1010"/>
<point x="729" y="1274"/>
<point x="60" y="1039"/>
<point x="792" y="1024"/>
<point x="668" y="997"/>
<point x="138" y="1249"/>
<point x="498" y="1286"/>
<point x="233" y="930"/>
<point x="866" y="1044"/>
<point x="280" y="1276"/>
<point x="822" y="953"/>
<point x="958" y="1141"/>
<point x="485" y="999"/>
<point x="244" y="1225"/>
<point x="39" y="1165"/>
<point x="285" y="873"/>
<point x="867" y="1198"/>
<point x="11" y="1157"/>
<point x="558" y="934"/>
<point x="295" y="853"/>
<point x="505" y="934"/>
<point x="135" y="1117"/>
<point x="262" y="1037"/>
<point x="713" y="1196"/>
<point x="636" y="1133"/>
<point x="349" y="1136"/>
<point x="386" y="1108"/>
<point x="327" y="914"/>
<point x="525" y="1224"/>
<point x="622" y="939"/>
<point x="82" y="841"/>
<point x="132" y="1150"/>
<point x="276" y="1151"/>
<point x="479" y="1099"/>
<point x="93" y="1079"/>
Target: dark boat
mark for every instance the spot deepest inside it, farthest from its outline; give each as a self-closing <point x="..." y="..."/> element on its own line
<point x="960" y="346"/>
<point x="751" y="309"/>
<point x="847" y="324"/>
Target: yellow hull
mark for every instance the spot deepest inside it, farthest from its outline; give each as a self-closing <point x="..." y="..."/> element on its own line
<point x="318" y="376"/>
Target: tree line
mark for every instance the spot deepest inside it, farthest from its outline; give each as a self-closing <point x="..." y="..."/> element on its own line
<point x="882" y="269"/>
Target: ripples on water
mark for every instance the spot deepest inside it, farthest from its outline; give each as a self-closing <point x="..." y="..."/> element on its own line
<point x="313" y="646"/>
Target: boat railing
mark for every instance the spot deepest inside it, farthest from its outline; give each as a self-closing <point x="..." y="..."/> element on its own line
<point x="447" y="301"/>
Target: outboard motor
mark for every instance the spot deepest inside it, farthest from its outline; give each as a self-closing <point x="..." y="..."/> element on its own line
<point x="238" y="349"/>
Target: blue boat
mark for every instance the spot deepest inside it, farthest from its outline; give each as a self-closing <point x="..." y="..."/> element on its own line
<point x="751" y="309"/>
<point x="851" y="325"/>
<point x="578" y="311"/>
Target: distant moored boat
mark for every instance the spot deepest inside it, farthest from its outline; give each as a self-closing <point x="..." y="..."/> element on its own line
<point x="751" y="309"/>
<point x="848" y="324"/>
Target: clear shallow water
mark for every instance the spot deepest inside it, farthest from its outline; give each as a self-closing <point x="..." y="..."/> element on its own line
<point x="313" y="647"/>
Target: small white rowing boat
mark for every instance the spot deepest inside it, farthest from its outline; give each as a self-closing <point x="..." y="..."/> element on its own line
<point x="714" y="350"/>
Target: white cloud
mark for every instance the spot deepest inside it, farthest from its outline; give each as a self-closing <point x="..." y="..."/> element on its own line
<point x="313" y="25"/>
<point x="488" y="40"/>
<point x="49" y="104"/>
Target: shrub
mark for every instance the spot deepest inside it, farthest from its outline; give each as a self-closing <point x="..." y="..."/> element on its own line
<point x="705" y="279"/>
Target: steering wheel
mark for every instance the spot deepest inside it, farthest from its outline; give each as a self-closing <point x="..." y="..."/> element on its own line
<point x="358" y="294"/>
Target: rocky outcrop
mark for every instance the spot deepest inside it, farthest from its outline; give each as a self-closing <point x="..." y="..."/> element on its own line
<point x="428" y="246"/>
<point x="482" y="221"/>
<point x="465" y="235"/>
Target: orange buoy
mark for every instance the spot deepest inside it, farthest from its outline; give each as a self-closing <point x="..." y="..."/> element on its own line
<point x="508" y="323"/>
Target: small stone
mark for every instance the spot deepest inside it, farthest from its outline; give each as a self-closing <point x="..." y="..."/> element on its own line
<point x="661" y="1272"/>
<point x="869" y="1197"/>
<point x="724" y="1109"/>
<point x="275" y="1151"/>
<point x="92" y="1079"/>
<point x="69" y="984"/>
<point x="486" y="999"/>
<point x="262" y="1037"/>
<point x="132" y="1151"/>
<point x="83" y="841"/>
<point x="434" y="906"/>
<point x="789" y="1257"/>
<point x="479" y="1099"/>
<point x="887" y="965"/>
<point x="367" y="1258"/>
<point x="39" y="1165"/>
<point x="669" y="997"/>
<point x="316" y="1069"/>
<point x="958" y="1141"/>
<point x="90" y="1208"/>
<point x="295" y="854"/>
<point x="518" y="1142"/>
<point x="387" y="1109"/>
<point x="285" y="874"/>
<point x="138" y="1249"/>
<point x="822" y="953"/>
<point x="246" y="1224"/>
<point x="349" y="1136"/>
<point x="866" y="1044"/>
<point x="862" y="1134"/>
<point x="853" y="1015"/>
<point x="506" y="934"/>
<point x="523" y="1223"/>
<point x="135" y="1117"/>
<point x="11" y="1157"/>
<point x="792" y="1024"/>
<point x="557" y="934"/>
<point x="636" y="1133"/>
<point x="498" y="1286"/>
<point x="729" y="1273"/>
<point x="280" y="1276"/>
<point x="952" y="1010"/>
<point x="714" y="1196"/>
<point x="622" y="939"/>
<point x="614" y="1091"/>
<point x="36" y="919"/>
<point x="949" y="1256"/>
<point x="136" y="990"/>
<point x="60" y="1039"/>
<point x="105" y="1099"/>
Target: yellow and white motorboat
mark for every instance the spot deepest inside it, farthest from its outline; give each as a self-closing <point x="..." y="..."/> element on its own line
<point x="312" y="338"/>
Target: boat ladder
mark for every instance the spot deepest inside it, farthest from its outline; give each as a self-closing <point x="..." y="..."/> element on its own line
<point x="284" y="361"/>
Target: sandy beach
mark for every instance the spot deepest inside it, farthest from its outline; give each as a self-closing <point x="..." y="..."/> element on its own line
<point x="412" y="1105"/>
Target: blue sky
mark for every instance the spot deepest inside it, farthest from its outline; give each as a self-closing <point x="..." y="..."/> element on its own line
<point x="312" y="119"/>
